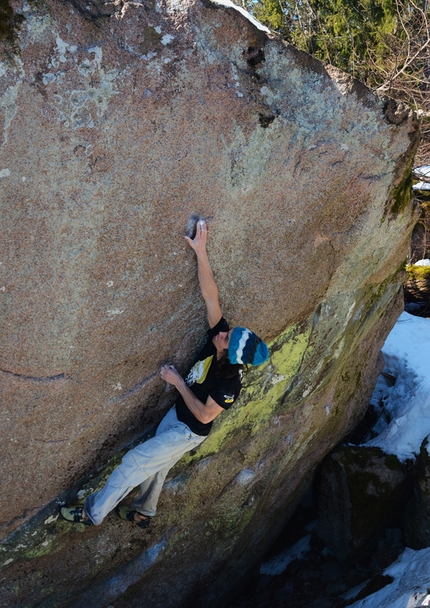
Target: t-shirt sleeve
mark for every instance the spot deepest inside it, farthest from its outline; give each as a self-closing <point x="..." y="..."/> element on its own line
<point x="226" y="393"/>
<point x="222" y="325"/>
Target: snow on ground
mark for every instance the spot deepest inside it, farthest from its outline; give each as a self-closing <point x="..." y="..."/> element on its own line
<point x="405" y="407"/>
<point x="411" y="573"/>
<point x="279" y="563"/>
<point x="421" y="186"/>
<point x="230" y="4"/>
<point x="424" y="174"/>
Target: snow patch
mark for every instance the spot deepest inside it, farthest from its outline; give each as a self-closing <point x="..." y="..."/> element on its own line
<point x="278" y="564"/>
<point x="411" y="579"/>
<point x="229" y="4"/>
<point x="404" y="407"/>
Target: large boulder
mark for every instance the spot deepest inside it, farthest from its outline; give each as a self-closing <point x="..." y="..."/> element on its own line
<point x="417" y="514"/>
<point x="119" y="121"/>
<point x="362" y="491"/>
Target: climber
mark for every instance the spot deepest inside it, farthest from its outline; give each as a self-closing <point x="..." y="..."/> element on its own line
<point x="211" y="386"/>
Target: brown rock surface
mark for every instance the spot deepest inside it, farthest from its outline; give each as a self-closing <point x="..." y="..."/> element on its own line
<point x="118" y="121"/>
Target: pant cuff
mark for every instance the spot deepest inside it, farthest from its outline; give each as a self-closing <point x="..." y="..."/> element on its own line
<point x="146" y="513"/>
<point x="88" y="514"/>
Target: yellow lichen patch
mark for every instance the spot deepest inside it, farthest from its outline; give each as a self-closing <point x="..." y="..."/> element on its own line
<point x="263" y="390"/>
<point x="418" y="272"/>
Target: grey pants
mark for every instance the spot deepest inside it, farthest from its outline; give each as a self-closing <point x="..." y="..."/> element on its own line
<point x="146" y="465"/>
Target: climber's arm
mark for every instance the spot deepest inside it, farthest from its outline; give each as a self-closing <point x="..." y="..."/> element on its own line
<point x="208" y="286"/>
<point x="204" y="412"/>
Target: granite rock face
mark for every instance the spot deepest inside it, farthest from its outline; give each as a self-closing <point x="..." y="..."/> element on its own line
<point x="118" y="121"/>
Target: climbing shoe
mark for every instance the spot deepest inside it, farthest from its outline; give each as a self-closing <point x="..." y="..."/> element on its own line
<point x="128" y="515"/>
<point x="74" y="515"/>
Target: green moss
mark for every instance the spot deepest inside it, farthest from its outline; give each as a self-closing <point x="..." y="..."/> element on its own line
<point x="230" y="523"/>
<point x="377" y="297"/>
<point x="49" y="545"/>
<point x="401" y="195"/>
<point x="377" y="291"/>
<point x="418" y="272"/>
<point x="10" y="24"/>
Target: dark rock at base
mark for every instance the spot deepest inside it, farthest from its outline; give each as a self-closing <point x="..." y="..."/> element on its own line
<point x="416" y="523"/>
<point x="361" y="491"/>
<point x="321" y="603"/>
<point x="286" y="592"/>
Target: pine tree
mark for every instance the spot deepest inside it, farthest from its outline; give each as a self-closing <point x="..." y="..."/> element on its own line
<point x="384" y="43"/>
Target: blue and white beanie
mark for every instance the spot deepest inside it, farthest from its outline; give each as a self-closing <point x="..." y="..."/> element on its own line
<point x="246" y="347"/>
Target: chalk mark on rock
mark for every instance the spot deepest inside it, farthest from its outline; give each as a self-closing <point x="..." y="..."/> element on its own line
<point x="136" y="387"/>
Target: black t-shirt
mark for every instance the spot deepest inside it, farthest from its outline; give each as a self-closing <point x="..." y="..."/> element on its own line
<point x="201" y="380"/>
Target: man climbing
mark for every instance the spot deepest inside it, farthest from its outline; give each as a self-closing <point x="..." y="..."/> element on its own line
<point x="211" y="386"/>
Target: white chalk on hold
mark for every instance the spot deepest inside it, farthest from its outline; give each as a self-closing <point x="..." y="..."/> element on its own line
<point x="201" y="222"/>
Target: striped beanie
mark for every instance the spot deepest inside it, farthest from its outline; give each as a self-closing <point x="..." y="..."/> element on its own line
<point x="246" y="347"/>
